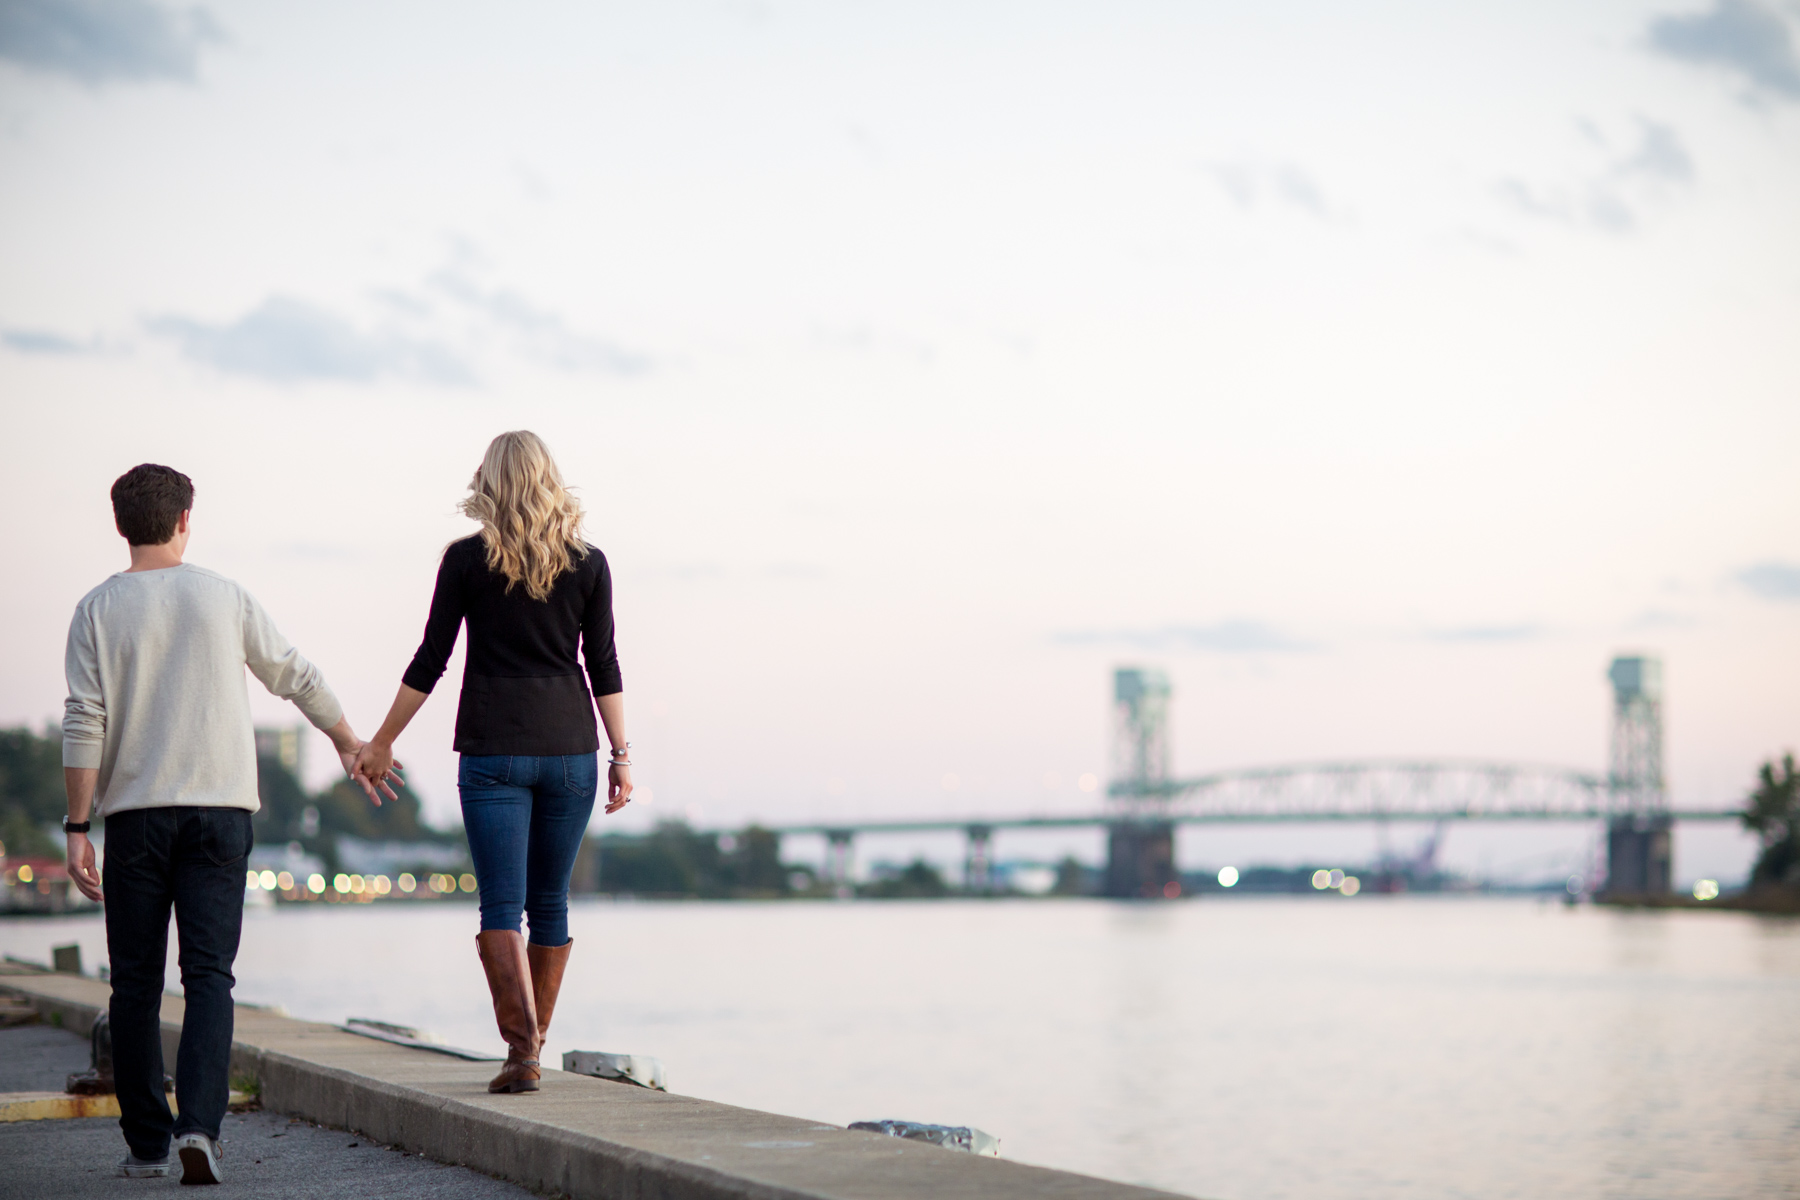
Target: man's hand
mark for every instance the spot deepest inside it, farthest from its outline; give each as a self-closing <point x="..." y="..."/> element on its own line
<point x="372" y="773"/>
<point x="79" y="783"/>
<point x="81" y="866"/>
<point x="350" y="749"/>
<point x="618" y="787"/>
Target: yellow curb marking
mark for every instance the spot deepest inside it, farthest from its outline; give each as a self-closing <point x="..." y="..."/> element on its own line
<point x="55" y="1106"/>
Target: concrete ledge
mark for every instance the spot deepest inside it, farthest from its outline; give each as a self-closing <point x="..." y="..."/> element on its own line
<point x="581" y="1137"/>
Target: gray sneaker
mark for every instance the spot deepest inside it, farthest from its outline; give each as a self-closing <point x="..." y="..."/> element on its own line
<point x="200" y="1157"/>
<point x="133" y="1167"/>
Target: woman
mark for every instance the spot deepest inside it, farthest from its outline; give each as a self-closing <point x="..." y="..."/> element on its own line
<point x="530" y="589"/>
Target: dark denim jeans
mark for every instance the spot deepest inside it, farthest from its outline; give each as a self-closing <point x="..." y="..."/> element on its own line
<point x="526" y="815"/>
<point x="192" y="860"/>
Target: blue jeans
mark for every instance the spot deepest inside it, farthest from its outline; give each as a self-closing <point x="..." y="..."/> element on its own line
<point x="190" y="859"/>
<point x="525" y="815"/>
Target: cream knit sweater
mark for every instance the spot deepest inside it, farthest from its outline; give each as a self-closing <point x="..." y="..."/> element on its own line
<point x="157" y="696"/>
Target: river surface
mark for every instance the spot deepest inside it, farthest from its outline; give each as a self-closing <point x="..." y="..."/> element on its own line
<point x="1242" y="1048"/>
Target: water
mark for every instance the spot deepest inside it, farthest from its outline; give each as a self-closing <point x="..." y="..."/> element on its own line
<point x="1250" y="1049"/>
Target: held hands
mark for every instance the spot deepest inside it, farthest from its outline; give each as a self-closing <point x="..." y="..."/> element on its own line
<point x="372" y="765"/>
<point x="351" y="752"/>
<point x="81" y="866"/>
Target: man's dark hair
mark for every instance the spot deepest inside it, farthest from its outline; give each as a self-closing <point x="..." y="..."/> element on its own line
<point x="147" y="502"/>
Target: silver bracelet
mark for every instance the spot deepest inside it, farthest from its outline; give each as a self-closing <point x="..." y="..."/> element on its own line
<point x="619" y="762"/>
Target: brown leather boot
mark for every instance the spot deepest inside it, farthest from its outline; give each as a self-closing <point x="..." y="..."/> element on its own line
<point x="547" y="963"/>
<point x="509" y="980"/>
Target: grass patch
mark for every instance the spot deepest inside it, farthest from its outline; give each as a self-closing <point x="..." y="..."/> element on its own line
<point x="246" y="1094"/>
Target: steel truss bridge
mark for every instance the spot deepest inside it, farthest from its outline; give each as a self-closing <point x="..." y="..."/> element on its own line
<point x="1377" y="790"/>
<point x="1372" y="790"/>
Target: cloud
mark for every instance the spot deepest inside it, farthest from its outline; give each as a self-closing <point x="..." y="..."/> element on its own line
<point x="863" y="339"/>
<point x="1297" y="188"/>
<point x="1493" y="243"/>
<point x="794" y="570"/>
<point x="289" y="341"/>
<point x="38" y="341"/>
<point x="1226" y="637"/>
<point x="1741" y="36"/>
<point x="543" y="334"/>
<point x="1489" y="633"/>
<point x="1659" y="156"/>
<point x="701" y="571"/>
<point x="313" y="551"/>
<point x="1654" y="619"/>
<point x="286" y="340"/>
<point x="530" y="182"/>
<point x="1607" y="200"/>
<point x="1525" y="198"/>
<point x="1605" y="209"/>
<point x="1239" y="182"/>
<point x="1772" y="580"/>
<point x="97" y="41"/>
<point x="1597" y="205"/>
<point x="1247" y="181"/>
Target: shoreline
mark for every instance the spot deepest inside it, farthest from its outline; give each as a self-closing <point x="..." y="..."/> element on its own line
<point x="579" y="1136"/>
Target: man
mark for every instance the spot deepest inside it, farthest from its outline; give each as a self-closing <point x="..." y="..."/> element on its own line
<point x="157" y="728"/>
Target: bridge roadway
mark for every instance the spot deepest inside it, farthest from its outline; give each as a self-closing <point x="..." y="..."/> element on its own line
<point x="835" y="829"/>
<point x="1374" y="790"/>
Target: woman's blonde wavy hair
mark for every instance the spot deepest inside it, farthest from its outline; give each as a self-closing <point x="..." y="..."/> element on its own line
<point x="530" y="522"/>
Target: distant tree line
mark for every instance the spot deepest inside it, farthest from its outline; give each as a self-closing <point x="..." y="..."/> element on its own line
<point x="316" y="820"/>
<point x="31" y="792"/>
<point x="674" y="860"/>
<point x="33" y="802"/>
<point x="1772" y="813"/>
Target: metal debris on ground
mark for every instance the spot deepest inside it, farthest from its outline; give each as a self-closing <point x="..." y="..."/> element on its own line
<point x="97" y="1080"/>
<point x="951" y="1137"/>
<point x="640" y="1069"/>
<point x="417" y="1039"/>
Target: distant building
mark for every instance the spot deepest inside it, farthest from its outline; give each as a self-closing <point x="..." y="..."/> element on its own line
<point x="39" y="885"/>
<point x="1026" y="878"/>
<point x="286" y="856"/>
<point x="363" y="857"/>
<point x="285" y="744"/>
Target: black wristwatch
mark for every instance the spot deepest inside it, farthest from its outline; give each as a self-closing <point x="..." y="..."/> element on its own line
<point x="74" y="827"/>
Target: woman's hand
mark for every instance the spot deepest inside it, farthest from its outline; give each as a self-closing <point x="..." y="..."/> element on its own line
<point x="618" y="786"/>
<point x="618" y="774"/>
<point x="373" y="766"/>
<point x="350" y="749"/>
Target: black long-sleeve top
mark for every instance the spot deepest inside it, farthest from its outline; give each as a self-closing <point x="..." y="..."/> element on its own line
<point x="523" y="690"/>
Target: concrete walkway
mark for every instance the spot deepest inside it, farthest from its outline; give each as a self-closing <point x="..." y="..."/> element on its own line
<point x="268" y="1156"/>
<point x="39" y="1058"/>
<point x="579" y="1137"/>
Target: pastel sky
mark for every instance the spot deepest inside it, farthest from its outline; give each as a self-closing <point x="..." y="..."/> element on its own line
<point x="1378" y="370"/>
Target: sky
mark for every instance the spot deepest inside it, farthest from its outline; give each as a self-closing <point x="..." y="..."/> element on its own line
<point x="1377" y="371"/>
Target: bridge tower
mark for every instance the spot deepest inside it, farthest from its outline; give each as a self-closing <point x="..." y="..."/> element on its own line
<point x="1140" y="843"/>
<point x="1639" y="848"/>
